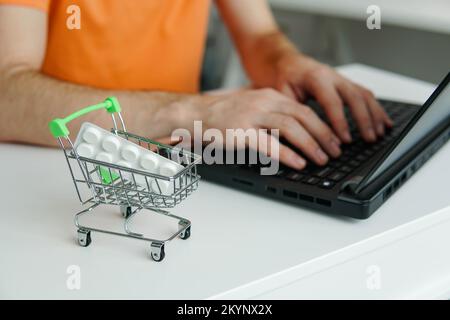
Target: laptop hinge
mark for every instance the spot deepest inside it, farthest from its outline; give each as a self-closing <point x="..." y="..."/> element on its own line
<point x="351" y="184"/>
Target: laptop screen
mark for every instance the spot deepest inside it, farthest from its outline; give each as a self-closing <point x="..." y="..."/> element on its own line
<point x="433" y="113"/>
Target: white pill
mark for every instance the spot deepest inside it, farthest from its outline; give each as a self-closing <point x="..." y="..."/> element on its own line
<point x="130" y="153"/>
<point x="140" y="179"/>
<point x="162" y="187"/>
<point x="169" y="169"/>
<point x="92" y="135"/>
<point x="85" y="150"/>
<point x="111" y="144"/>
<point x="124" y="164"/>
<point x="105" y="157"/>
<point x="149" y="161"/>
<point x="125" y="174"/>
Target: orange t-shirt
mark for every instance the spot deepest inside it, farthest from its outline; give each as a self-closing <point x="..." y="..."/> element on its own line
<point x="125" y="44"/>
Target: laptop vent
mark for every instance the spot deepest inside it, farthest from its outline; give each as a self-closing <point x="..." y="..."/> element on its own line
<point x="323" y="202"/>
<point x="397" y="183"/>
<point x="290" y="194"/>
<point x="271" y="189"/>
<point x="306" y="198"/>
<point x="287" y="193"/>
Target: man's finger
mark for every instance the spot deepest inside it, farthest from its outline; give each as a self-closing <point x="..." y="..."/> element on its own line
<point x="272" y="147"/>
<point x="168" y="140"/>
<point x="325" y="93"/>
<point x="382" y="119"/>
<point x="315" y="126"/>
<point x="286" y="89"/>
<point x="297" y="135"/>
<point x="359" y="110"/>
<point x="377" y="115"/>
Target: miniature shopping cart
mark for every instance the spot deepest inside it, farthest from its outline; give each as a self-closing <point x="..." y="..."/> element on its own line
<point x="98" y="182"/>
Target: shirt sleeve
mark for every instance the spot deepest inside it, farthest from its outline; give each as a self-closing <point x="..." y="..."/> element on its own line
<point x="38" y="4"/>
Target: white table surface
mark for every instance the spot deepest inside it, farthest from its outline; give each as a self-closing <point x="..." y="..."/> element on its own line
<point x="415" y="14"/>
<point x="242" y="246"/>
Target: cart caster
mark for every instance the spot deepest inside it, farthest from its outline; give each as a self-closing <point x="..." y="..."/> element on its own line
<point x="157" y="251"/>
<point x="125" y="211"/>
<point x="84" y="237"/>
<point x="186" y="233"/>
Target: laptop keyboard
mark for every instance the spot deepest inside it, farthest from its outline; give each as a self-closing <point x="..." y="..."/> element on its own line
<point x="353" y="155"/>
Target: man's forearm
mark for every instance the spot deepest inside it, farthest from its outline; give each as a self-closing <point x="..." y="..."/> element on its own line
<point x="30" y="99"/>
<point x="257" y="37"/>
<point x="260" y="56"/>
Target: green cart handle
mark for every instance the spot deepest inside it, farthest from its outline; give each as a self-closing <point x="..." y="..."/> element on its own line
<point x="58" y="127"/>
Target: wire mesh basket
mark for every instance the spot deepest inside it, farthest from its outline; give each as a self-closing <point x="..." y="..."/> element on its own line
<point x="102" y="183"/>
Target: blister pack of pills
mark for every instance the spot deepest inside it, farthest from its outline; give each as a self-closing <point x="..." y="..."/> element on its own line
<point x="97" y="143"/>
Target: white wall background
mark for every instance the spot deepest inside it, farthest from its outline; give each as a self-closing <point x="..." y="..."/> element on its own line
<point x="414" y="39"/>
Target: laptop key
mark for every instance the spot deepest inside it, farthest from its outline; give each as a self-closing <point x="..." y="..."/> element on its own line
<point x="356" y="149"/>
<point x="346" y="169"/>
<point x="336" y="176"/>
<point x="361" y="157"/>
<point x="377" y="147"/>
<point x="326" y="184"/>
<point x="335" y="163"/>
<point x="354" y="163"/>
<point x="323" y="172"/>
<point x="294" y="176"/>
<point x="311" y="180"/>
<point x="348" y="153"/>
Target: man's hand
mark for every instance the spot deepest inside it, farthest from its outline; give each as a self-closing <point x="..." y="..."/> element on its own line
<point x="299" y="76"/>
<point x="269" y="109"/>
<point x="271" y="60"/>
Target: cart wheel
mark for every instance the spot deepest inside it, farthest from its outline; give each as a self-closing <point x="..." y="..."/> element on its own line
<point x="84" y="237"/>
<point x="186" y="233"/>
<point x="157" y="251"/>
<point x="125" y="211"/>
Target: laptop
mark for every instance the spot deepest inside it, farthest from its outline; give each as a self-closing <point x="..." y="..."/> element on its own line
<point x="366" y="174"/>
